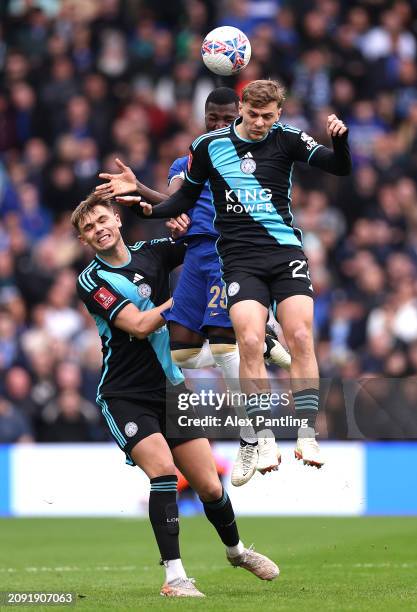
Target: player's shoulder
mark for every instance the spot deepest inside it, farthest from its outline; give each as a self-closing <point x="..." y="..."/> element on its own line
<point x="286" y="128"/>
<point x="137" y="246"/>
<point x="159" y="241"/>
<point x="87" y="279"/>
<point x="205" y="139"/>
<point x="146" y="245"/>
<point x="180" y="164"/>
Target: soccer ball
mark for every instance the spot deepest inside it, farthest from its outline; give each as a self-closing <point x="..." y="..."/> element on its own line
<point x="226" y="50"/>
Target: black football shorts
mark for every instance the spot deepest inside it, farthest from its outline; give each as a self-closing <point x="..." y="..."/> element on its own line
<point x="267" y="279"/>
<point x="132" y="419"/>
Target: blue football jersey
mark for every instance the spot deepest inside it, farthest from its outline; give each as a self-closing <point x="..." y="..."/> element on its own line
<point x="202" y="214"/>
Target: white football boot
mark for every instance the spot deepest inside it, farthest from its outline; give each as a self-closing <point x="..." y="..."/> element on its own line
<point x="181" y="587"/>
<point x="245" y="464"/>
<point x="307" y="448"/>
<point x="257" y="564"/>
<point x="274" y="352"/>
<point x="269" y="455"/>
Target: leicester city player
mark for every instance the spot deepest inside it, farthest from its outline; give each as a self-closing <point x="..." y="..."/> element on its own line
<point x="125" y="289"/>
<point x="199" y="304"/>
<point x="249" y="166"/>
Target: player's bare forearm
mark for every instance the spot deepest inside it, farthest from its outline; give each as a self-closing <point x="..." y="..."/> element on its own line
<point x="150" y="195"/>
<point x="141" y="323"/>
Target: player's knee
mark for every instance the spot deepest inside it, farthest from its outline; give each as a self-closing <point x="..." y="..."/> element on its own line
<point x="251" y="345"/>
<point x="300" y="341"/>
<point x="210" y="490"/>
<point x="163" y="467"/>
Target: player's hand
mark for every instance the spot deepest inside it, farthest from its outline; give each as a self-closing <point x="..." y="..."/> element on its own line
<point x="118" y="184"/>
<point x="131" y="200"/>
<point x="179" y="226"/>
<point x="335" y="126"/>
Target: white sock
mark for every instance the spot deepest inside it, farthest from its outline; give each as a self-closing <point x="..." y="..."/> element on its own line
<point x="229" y="365"/>
<point x="234" y="551"/>
<point x="191" y="359"/>
<point x="174" y="569"/>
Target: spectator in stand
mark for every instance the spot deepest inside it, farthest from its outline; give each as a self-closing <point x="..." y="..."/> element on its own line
<point x="14" y="427"/>
<point x="79" y="88"/>
<point x="68" y="423"/>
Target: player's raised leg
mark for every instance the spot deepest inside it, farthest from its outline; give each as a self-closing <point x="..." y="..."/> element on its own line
<point x="154" y="457"/>
<point x="195" y="460"/>
<point x="295" y="314"/>
<point x="249" y="318"/>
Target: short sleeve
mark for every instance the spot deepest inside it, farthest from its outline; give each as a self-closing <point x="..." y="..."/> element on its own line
<point x="177" y="169"/>
<point x="300" y="145"/>
<point x="100" y="297"/>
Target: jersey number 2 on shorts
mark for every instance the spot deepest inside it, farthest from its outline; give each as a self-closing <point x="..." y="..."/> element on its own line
<point x="297" y="271"/>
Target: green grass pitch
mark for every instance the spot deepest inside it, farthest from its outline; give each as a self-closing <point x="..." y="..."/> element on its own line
<point x="326" y="564"/>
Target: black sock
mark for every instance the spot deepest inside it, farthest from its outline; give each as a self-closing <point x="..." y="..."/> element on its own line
<point x="220" y="514"/>
<point x="307" y="405"/>
<point x="258" y="411"/>
<point x="163" y="513"/>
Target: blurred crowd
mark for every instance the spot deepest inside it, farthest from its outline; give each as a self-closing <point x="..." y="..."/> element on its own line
<point x="85" y="81"/>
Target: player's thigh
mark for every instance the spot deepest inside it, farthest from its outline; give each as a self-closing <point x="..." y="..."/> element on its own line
<point x="195" y="461"/>
<point x="180" y="334"/>
<point x="249" y="319"/>
<point x="290" y="278"/>
<point x="153" y="456"/>
<point x="225" y="332"/>
<point x="296" y="316"/>
<point x="131" y="421"/>
<point x="189" y="299"/>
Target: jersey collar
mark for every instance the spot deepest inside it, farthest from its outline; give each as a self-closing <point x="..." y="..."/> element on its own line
<point x="115" y="267"/>
<point x="237" y="122"/>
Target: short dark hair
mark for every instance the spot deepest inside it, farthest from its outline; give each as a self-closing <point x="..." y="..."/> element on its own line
<point x="222" y="95"/>
<point x="86" y="206"/>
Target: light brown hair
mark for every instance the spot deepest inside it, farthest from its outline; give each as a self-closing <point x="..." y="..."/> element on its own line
<point x="85" y="208"/>
<point x="260" y="93"/>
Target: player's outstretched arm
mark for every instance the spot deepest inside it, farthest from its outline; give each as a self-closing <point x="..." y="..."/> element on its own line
<point x="338" y="161"/>
<point x="181" y="201"/>
<point x="141" y="323"/>
<point x="125" y="182"/>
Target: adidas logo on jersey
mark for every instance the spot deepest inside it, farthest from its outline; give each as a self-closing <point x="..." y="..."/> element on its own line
<point x="248" y="154"/>
<point x="137" y="278"/>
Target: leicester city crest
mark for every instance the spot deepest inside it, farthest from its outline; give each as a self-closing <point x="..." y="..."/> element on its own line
<point x="248" y="165"/>
<point x="233" y="289"/>
<point x="131" y="429"/>
<point x="144" y="290"/>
